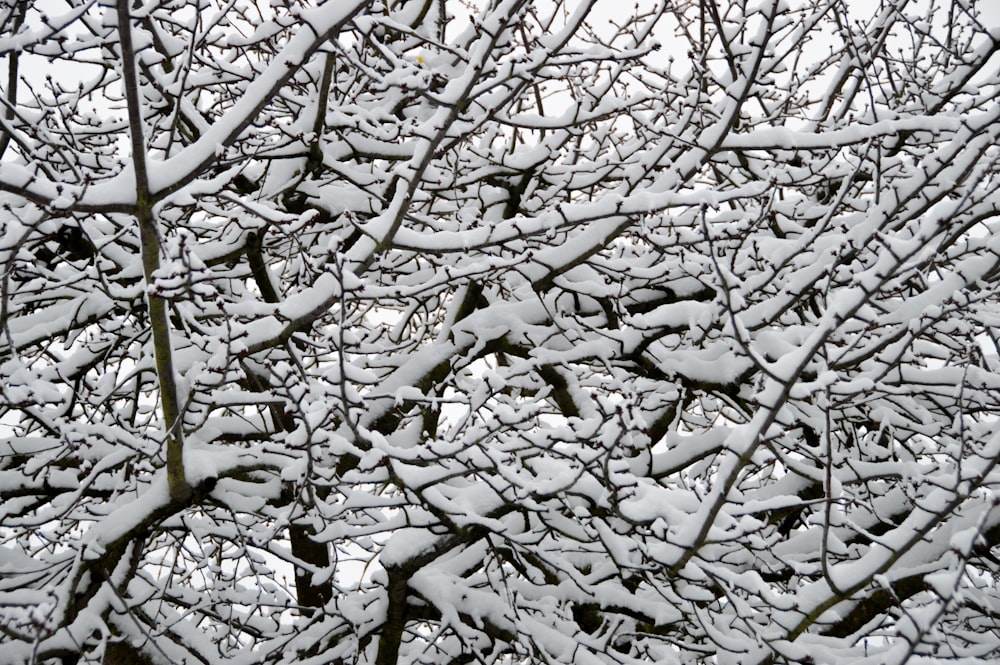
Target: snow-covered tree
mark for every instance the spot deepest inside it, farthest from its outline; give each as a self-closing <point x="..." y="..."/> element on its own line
<point x="499" y="331"/>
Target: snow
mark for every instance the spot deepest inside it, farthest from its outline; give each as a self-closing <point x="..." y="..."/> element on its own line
<point x="580" y="351"/>
<point x="782" y="137"/>
<point x="406" y="544"/>
<point x="187" y="163"/>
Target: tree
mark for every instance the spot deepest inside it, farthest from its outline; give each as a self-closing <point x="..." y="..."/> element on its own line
<point x="423" y="331"/>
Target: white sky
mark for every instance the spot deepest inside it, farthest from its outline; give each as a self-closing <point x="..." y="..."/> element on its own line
<point x="991" y="12"/>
